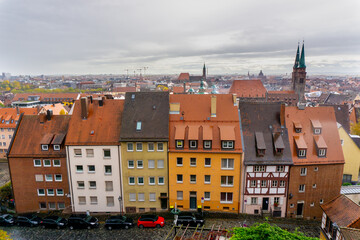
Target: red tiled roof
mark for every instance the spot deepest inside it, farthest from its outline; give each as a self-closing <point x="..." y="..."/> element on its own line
<point x="11" y="114"/>
<point x="184" y="77"/>
<point x="124" y="89"/>
<point x="178" y="89"/>
<point x="248" y="88"/>
<point x="24" y="96"/>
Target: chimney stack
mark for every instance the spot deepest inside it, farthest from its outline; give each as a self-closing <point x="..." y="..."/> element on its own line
<point x="184" y="87"/>
<point x="91" y="99"/>
<point x="84" y="108"/>
<point x="282" y="115"/>
<point x="213" y="106"/>
<point x="49" y="114"/>
<point x="17" y="110"/>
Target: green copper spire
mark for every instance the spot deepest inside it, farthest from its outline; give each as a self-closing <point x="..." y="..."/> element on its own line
<point x="302" y="58"/>
<point x="296" y="65"/>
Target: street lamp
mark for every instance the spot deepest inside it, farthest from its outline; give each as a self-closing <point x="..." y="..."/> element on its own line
<point x="120" y="202"/>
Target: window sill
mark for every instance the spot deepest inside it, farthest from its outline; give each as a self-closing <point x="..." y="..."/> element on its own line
<point x="179" y="182"/>
<point x="227" y="185"/>
<point x="226" y="202"/>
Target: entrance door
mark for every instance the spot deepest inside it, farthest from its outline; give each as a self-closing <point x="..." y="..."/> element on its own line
<point x="163" y="200"/>
<point x="265" y="204"/>
<point x="192" y="200"/>
<point x="299" y="210"/>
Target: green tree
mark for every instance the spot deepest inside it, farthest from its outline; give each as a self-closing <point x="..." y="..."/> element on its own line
<point x="265" y="231"/>
<point x="355" y="128"/>
<point x="4" y="235"/>
<point x="5" y="192"/>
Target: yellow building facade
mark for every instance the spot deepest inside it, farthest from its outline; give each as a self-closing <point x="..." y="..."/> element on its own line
<point x="351" y="154"/>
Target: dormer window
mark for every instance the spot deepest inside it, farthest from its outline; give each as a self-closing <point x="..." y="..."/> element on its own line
<point x="138" y="126"/>
<point x="278" y="143"/>
<point x="297" y="127"/>
<point x="179" y="143"/>
<point x="44" y="147"/>
<point x="260" y="144"/>
<point x="192" y="144"/>
<point x="207" y="144"/>
<point x="317" y="130"/>
<point x="322" y="152"/>
<point x="56" y="147"/>
<point x="298" y="130"/>
<point x="261" y="152"/>
<point x="316" y="126"/>
<point x="227" y="144"/>
<point x="301" y="153"/>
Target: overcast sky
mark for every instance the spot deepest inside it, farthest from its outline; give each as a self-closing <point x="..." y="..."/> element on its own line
<point x="168" y="36"/>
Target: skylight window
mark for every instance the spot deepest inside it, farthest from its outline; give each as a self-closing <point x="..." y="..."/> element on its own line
<point x="138" y="126"/>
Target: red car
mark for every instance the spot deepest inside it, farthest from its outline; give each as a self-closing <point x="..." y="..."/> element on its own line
<point x="150" y="221"/>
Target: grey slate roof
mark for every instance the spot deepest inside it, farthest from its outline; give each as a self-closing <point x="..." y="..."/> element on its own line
<point x="265" y="118"/>
<point x="149" y="108"/>
<point x="341" y="115"/>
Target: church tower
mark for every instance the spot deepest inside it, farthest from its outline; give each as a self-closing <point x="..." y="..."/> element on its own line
<point x="204" y="73"/>
<point x="299" y="74"/>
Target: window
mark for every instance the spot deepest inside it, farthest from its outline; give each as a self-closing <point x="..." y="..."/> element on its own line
<point x="160" y="163"/>
<point x="179" y="178"/>
<point x="317" y="131"/>
<point x="263" y="183"/>
<point x="226" y="197"/>
<point x="151" y="147"/>
<point x="253" y="183"/>
<point x="43" y="147"/>
<point x="179" y="143"/>
<point x="130" y="147"/>
<point x="193" y="162"/>
<point x="56" y="163"/>
<point x="110" y="201"/>
<point x="161" y="180"/>
<point x="132" y="197"/>
<point x="312" y="204"/>
<point x="179" y="195"/>
<point x="52" y="205"/>
<point x="138" y="126"/>
<point x="322" y="152"/>
<point x="41" y="192"/>
<point x="291" y="205"/>
<point x="140" y="164"/>
<point x="140" y="180"/>
<point x="131" y="180"/>
<point x="107" y="153"/>
<point x="321" y="201"/>
<point x="192" y="178"/>
<point x="151" y="180"/>
<point x="302" y="153"/>
<point x="276" y="200"/>
<point x="48" y="177"/>
<point x="152" y="197"/>
<point x="207" y="144"/>
<point x="77" y="152"/>
<point x="93" y="200"/>
<point x="108" y="170"/>
<point x="92" y="184"/>
<point x="179" y="161"/>
<point x="39" y="178"/>
<point x="58" y="177"/>
<point x="37" y="163"/>
<point x="207" y="196"/>
<point x="342" y="142"/>
<point x="282" y="183"/>
<point x="89" y="152"/>
<point x="207" y="179"/>
<point x="141" y="197"/>
<point x="160" y="147"/>
<point x="131" y="164"/>
<point x="227" y="163"/>
<point x="82" y="200"/>
<point x="298" y="130"/>
<point x="47" y="163"/>
<point x="151" y="163"/>
<point x="80" y="184"/>
<point x="56" y="147"/>
<point x="274" y="183"/>
<point x="259" y="168"/>
<point x="227" y="144"/>
<point x="50" y="192"/>
<point x="207" y="162"/>
<point x="253" y="201"/>
<point x="108" y="186"/>
<point x="303" y="171"/>
<point x="79" y="168"/>
<point x="192" y="144"/>
<point x="91" y="168"/>
<point x="59" y="192"/>
<point x="227" y="181"/>
<point x="302" y="188"/>
<point x="61" y="205"/>
<point x="314" y="185"/>
<point x="139" y="147"/>
<point x="280" y="168"/>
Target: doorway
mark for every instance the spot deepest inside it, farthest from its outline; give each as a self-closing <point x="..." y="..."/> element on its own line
<point x="192" y="200"/>
<point x="265" y="204"/>
<point x="299" y="209"/>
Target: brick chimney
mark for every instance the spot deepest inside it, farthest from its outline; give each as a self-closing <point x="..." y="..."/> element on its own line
<point x="282" y="115"/>
<point x="49" y="114"/>
<point x="213" y="106"/>
<point x="84" y="108"/>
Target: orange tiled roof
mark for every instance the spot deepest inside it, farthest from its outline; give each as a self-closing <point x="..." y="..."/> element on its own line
<point x="11" y="114"/>
<point x="248" y="88"/>
<point x="325" y="116"/>
<point x="281" y="92"/>
<point x="24" y="96"/>
<point x="178" y="89"/>
<point x="184" y="77"/>
<point x="195" y="110"/>
<point x="104" y="121"/>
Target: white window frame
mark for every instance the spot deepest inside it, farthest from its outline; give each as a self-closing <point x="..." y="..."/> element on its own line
<point x="130" y="183"/>
<point x="82" y="198"/>
<point x="302" y="152"/>
<point x="179" y="197"/>
<point x="78" y="185"/>
<point x="89" y="152"/>
<point x="162" y="182"/>
<point x="56" y="147"/>
<point x="40" y="194"/>
<point x="137" y="164"/>
<point x="321" y="201"/>
<point x="253" y="183"/>
<point x="141" y="197"/>
<point x="153" y="164"/>
<point x="253" y="201"/>
<point x="160" y="165"/>
<point x="153" y="182"/>
<point x="227" y="144"/>
<point x="128" y="145"/>
<point x="133" y="161"/>
<point x="260" y="168"/>
<point x="312" y="204"/>
<point x="152" y="197"/>
<point x="303" y="171"/>
<point x="78" y="171"/>
<point x="182" y="162"/>
<point x="282" y="183"/>
<point x="45" y="161"/>
<point x="92" y="187"/>
<point x="61" y="205"/>
<point x="39" y="178"/>
<point x="207" y="182"/>
<point x="89" y="169"/>
<point x="317" y="131"/>
<point x="227" y="181"/>
<point x="191" y="181"/>
<point x="77" y="155"/>
<point x="107" y="173"/>
<point x="138" y="126"/>
<point x="138" y="182"/>
<point x="274" y="183"/>
<point x="55" y="175"/>
<point x="207" y="198"/>
<point x="227" y="164"/>
<point x="205" y="162"/>
<point x="322" y="152"/>
<point x="107" y="149"/>
<point x="93" y="198"/>
<point x="139" y="149"/>
<point x="280" y="168"/>
<point x="178" y="145"/>
<point x="44" y="147"/>
<point x="263" y="185"/>
<point x="302" y="188"/>
<point x="226" y="201"/>
<point x="277" y="200"/>
<point x="160" y="149"/>
<point x="191" y="163"/>
<point x="192" y="144"/>
<point x="59" y="194"/>
<point x="316" y="169"/>
<point x="153" y="147"/>
<point x="49" y="194"/>
<point x="177" y="178"/>
<point x="314" y="185"/>
<point x="52" y="207"/>
<point x="132" y="197"/>
<point x="35" y="165"/>
<point x="55" y="165"/>
<point x="207" y="144"/>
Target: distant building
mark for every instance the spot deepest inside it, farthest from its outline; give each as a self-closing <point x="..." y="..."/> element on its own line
<point x="249" y="90"/>
<point x="299" y="74"/>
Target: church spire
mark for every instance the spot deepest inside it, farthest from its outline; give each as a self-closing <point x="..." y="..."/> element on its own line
<point x="204" y="72"/>
<point x="302" y="58"/>
<point x="296" y="65"/>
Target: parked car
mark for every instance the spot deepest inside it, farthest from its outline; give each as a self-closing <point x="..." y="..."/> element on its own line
<point x="150" y="221"/>
<point x="82" y="221"/>
<point x="7" y="220"/>
<point x="119" y="222"/>
<point x="29" y="220"/>
<point x="53" y="222"/>
<point x="189" y="218"/>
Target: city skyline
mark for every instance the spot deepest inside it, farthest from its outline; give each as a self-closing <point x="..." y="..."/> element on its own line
<point x="169" y="37"/>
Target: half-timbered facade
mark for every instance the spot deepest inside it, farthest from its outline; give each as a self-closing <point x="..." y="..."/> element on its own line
<point x="267" y="158"/>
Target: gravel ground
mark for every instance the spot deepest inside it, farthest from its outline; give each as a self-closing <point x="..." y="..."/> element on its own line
<point x="310" y="228"/>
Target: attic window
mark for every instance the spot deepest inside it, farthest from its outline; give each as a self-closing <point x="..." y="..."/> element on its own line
<point x="278" y="143"/>
<point x="316" y="126"/>
<point x="138" y="126"/>
<point x="133" y="96"/>
<point x="179" y="143"/>
<point x="317" y="130"/>
<point x="260" y="144"/>
<point x="56" y="147"/>
<point x="44" y="147"/>
<point x="298" y="127"/>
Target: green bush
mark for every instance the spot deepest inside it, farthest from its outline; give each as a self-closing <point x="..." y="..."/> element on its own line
<point x="5" y="192"/>
<point x="347" y="184"/>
